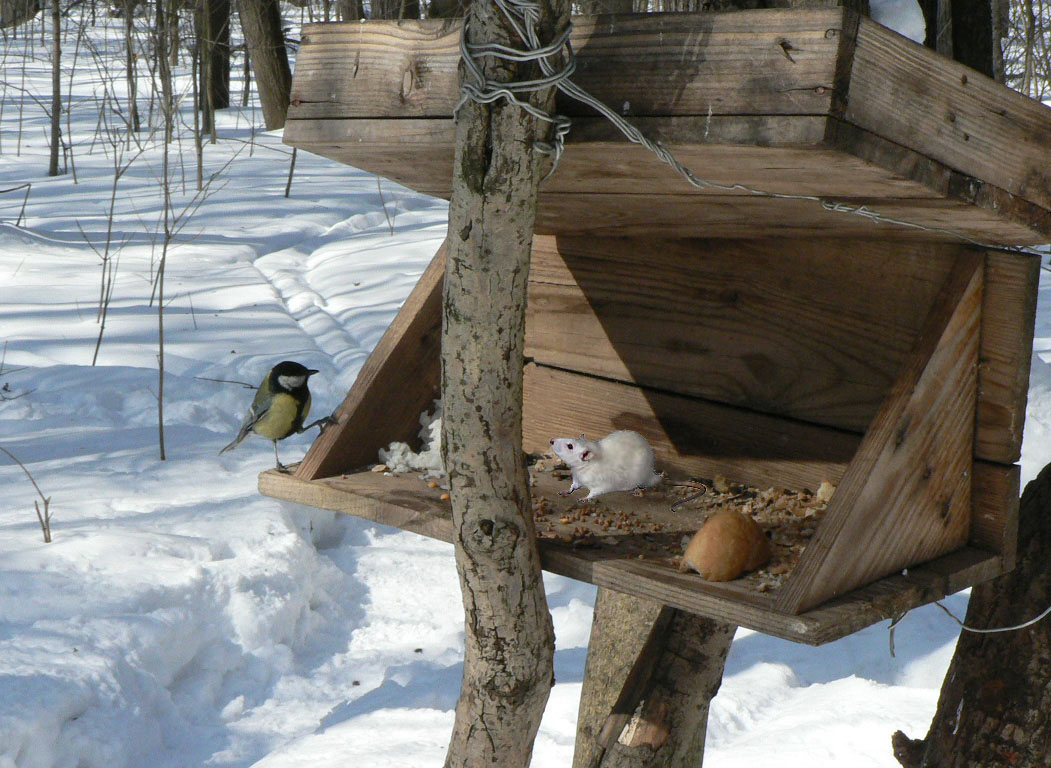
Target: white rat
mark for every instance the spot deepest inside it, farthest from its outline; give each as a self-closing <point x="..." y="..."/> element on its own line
<point x="621" y="461"/>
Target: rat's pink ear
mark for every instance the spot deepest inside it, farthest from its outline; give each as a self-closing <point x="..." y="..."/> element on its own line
<point x="586" y="456"/>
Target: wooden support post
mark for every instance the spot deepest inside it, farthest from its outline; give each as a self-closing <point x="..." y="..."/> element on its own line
<point x="620" y="627"/>
<point x="654" y="715"/>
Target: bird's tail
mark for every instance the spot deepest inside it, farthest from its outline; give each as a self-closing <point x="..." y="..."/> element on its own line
<point x="236" y="441"/>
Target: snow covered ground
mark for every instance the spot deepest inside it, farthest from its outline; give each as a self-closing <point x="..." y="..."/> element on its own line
<point x="179" y="619"/>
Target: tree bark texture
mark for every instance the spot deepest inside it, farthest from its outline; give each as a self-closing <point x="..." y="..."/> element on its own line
<point x="14" y="12"/>
<point x="56" y="87"/>
<point x="395" y="9"/>
<point x="669" y="723"/>
<point x="620" y="626"/>
<point x="163" y="42"/>
<point x="509" y="643"/>
<point x="265" y="40"/>
<point x="351" y="10"/>
<point x="447" y="9"/>
<point x="212" y="22"/>
<point x="994" y="703"/>
<point x="130" y="67"/>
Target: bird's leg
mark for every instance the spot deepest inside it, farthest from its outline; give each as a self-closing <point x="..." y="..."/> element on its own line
<point x="280" y="467"/>
<point x="323" y="422"/>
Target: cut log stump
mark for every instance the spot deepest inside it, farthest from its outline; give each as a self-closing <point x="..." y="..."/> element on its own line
<point x="655" y="713"/>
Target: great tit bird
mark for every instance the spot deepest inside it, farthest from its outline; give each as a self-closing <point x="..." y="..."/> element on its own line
<point x="281" y="404"/>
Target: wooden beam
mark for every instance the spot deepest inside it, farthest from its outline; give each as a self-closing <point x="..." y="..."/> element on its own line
<point x="680" y="64"/>
<point x="627" y="191"/>
<point x="1008" y="319"/>
<point x="906" y="496"/>
<point x="994" y="516"/>
<point x="948" y="112"/>
<point x="695" y="214"/>
<point x="398" y="381"/>
<point x="706" y="80"/>
<point x="406" y="502"/>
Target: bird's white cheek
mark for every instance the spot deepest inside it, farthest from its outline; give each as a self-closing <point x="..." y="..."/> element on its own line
<point x="291" y="382"/>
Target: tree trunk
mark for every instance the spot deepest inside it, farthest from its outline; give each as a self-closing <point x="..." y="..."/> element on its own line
<point x="351" y="10"/>
<point x="447" y="9"/>
<point x="265" y="41"/>
<point x="994" y="704"/>
<point x="509" y="643"/>
<point x="619" y="628"/>
<point x="970" y="31"/>
<point x="130" y="71"/>
<point x="163" y="43"/>
<point x="666" y="698"/>
<point x="212" y="22"/>
<point x="395" y="9"/>
<point x="14" y="12"/>
<point x="56" y="87"/>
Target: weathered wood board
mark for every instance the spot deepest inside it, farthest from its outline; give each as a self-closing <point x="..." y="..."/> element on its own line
<point x="371" y="417"/>
<point x="791" y="101"/>
<point x="815" y="331"/>
<point x="906" y="496"/>
<point x="406" y="502"/>
<point x="773" y="327"/>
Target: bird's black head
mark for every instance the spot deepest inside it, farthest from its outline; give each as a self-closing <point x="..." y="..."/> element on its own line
<point x="288" y="375"/>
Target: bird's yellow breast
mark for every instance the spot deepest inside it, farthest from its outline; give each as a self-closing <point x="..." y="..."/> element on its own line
<point x="281" y="418"/>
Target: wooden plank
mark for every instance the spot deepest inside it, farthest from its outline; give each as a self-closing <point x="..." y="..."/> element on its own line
<point x="994" y="517"/>
<point x="1008" y="317"/>
<point x="407" y="503"/>
<point x="688" y="435"/>
<point x="398" y="381"/>
<point x="905" y="497"/>
<point x="778" y="153"/>
<point x="712" y="79"/>
<point x="629" y="191"/>
<point x="941" y="179"/>
<point x="728" y="216"/>
<point x="680" y="64"/>
<point x="778" y="327"/>
<point x="950" y="113"/>
<point x="849" y="613"/>
<point x="399" y="501"/>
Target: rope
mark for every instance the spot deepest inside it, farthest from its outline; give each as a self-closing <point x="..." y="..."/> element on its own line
<point x="523" y="16"/>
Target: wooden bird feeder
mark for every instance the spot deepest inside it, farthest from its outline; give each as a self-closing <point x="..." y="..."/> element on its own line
<point x="777" y="341"/>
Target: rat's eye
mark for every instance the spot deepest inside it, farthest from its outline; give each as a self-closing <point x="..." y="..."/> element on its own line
<point x="569" y="446"/>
